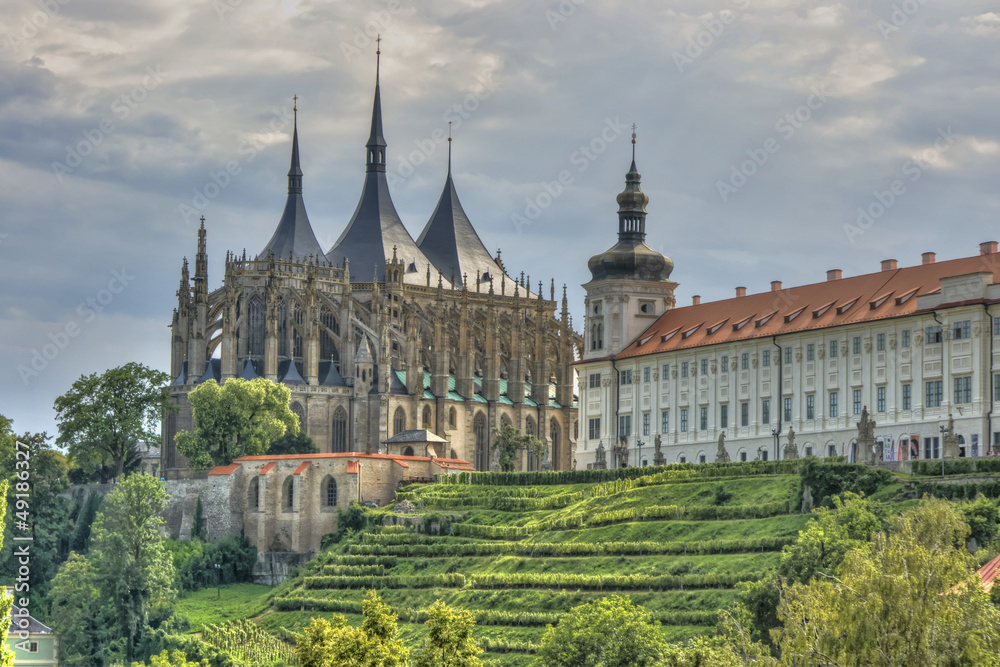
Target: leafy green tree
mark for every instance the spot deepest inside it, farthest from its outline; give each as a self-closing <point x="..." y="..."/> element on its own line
<point x="821" y="546"/>
<point x="449" y="639"/>
<point x="910" y="596"/>
<point x="982" y="517"/>
<point x="78" y="613"/>
<point x="700" y="652"/>
<point x="759" y="600"/>
<point x="134" y="569"/>
<point x="297" y="443"/>
<point x="240" y="418"/>
<point x="508" y="441"/>
<point x="103" y="417"/>
<point x="610" y="632"/>
<point x="174" y="659"/>
<point x="334" y="643"/>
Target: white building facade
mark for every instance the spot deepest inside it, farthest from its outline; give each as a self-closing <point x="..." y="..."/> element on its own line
<point x="914" y="346"/>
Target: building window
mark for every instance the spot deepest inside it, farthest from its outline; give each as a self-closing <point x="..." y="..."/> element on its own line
<point x="290" y="495"/>
<point x="665" y="375"/>
<point x="725" y="364"/>
<point x="963" y="389"/>
<point x="625" y="426"/>
<point x="996" y="387"/>
<point x="684" y="369"/>
<point x="763" y="455"/>
<point x="810" y="406"/>
<point x="933" y="334"/>
<point x="32" y="647"/>
<point x="744" y="413"/>
<point x="645" y="374"/>
<point x="765" y="411"/>
<point x="330" y="492"/>
<point x="704" y="418"/>
<point x="701" y="458"/>
<point x="625" y="377"/>
<point x="765" y="358"/>
<point x="880" y="399"/>
<point x="399" y="421"/>
<point x="856" y="345"/>
<point x="453" y="418"/>
<point x="594" y="428"/>
<point x="665" y="421"/>
<point x="597" y="336"/>
<point x="833" y="348"/>
<point x="704" y="366"/>
<point x="743" y="457"/>
<point x="960" y="330"/>
<point x="833" y="404"/>
<point x="745" y="361"/>
<point x="338" y="438"/>
<point x="723" y="416"/>
<point x="788" y="354"/>
<point x="996" y="326"/>
<point x="682" y="459"/>
<point x="595" y="380"/>
<point x="907" y="397"/>
<point x="880" y="342"/>
<point x="684" y="420"/>
<point x="810" y="352"/>
<point x="809" y="450"/>
<point x="254" y="494"/>
<point x="933" y="394"/>
<point x="831" y="451"/>
<point x="645" y="423"/>
<point x="932" y="448"/>
<point x="788" y="408"/>
<point x="904" y="338"/>
<point x="597" y="308"/>
<point x="856" y="401"/>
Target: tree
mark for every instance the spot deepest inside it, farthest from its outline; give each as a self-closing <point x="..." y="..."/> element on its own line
<point x="449" y="639"/>
<point x="610" y="632"/>
<point x="175" y="659"/>
<point x="910" y="596"/>
<point x="700" y="652"/>
<point x="509" y="441"/>
<point x="103" y="417"/>
<point x="77" y="613"/>
<point x="298" y="443"/>
<point x="334" y="643"/>
<point x="134" y="569"/>
<point x="240" y="418"/>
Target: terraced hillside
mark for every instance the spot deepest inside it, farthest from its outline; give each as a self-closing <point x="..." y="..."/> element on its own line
<point x="521" y="549"/>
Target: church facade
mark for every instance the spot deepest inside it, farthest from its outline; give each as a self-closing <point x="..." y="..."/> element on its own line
<point x="381" y="334"/>
<point x="895" y="365"/>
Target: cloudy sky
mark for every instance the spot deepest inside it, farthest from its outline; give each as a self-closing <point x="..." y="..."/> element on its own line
<point x="763" y="127"/>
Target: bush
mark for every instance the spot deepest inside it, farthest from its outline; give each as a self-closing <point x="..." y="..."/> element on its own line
<point x="826" y="480"/>
<point x="722" y="495"/>
<point x="194" y="562"/>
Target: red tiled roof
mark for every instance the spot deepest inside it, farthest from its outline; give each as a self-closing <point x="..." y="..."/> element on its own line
<point x="402" y="463"/>
<point x="988" y="573"/>
<point x="453" y="467"/>
<point x="224" y="470"/>
<point x="267" y="468"/>
<point x="353" y="467"/>
<point x="303" y="466"/>
<point x="874" y="296"/>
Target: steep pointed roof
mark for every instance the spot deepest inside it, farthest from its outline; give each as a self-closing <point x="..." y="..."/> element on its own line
<point x="294" y="236"/>
<point x="375" y="228"/>
<point x="451" y="243"/>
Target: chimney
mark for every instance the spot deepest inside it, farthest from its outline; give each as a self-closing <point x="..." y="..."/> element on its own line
<point x="888" y="264"/>
<point x="696" y="300"/>
<point x="987" y="248"/>
<point x="741" y="291"/>
<point x="775" y="285"/>
<point x="833" y="274"/>
<point x="928" y="257"/>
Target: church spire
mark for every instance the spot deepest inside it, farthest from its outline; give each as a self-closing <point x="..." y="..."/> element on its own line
<point x="376" y="142"/>
<point x="295" y="171"/>
<point x="632" y="204"/>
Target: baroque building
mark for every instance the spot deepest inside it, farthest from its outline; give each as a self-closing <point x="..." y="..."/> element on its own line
<point x="899" y="364"/>
<point x="381" y="334"/>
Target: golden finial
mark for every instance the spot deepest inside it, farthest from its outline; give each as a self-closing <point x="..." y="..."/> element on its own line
<point x="295" y="102"/>
<point x="633" y="142"/>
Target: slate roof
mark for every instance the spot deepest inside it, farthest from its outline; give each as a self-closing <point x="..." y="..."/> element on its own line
<point x="415" y="435"/>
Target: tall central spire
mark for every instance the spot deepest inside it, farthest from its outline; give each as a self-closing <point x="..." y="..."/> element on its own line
<point x="376" y="142"/>
<point x="295" y="171"/>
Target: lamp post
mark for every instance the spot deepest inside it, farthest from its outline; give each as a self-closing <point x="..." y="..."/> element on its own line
<point x="218" y="581"/>
<point x="574" y="463"/>
<point x="943" y="431"/>
<point x="639" y="443"/>
<point x="777" y="442"/>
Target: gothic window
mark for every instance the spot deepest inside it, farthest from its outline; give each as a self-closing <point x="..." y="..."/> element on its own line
<point x="296" y="337"/>
<point x="256" y="308"/>
<point x="300" y="413"/>
<point x="597" y="336"/>
<point x="289" y="493"/>
<point x="554" y="442"/>
<point x="399" y="421"/>
<point x="327" y="346"/>
<point x="427" y="416"/>
<point x="453" y="418"/>
<point x="482" y="454"/>
<point x="408" y="451"/>
<point x="330" y="492"/>
<point x="339" y="431"/>
<point x="253" y="495"/>
<point x="529" y="429"/>
<point x="505" y="421"/>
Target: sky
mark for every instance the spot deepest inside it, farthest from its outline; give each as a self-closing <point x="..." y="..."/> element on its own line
<point x="776" y="140"/>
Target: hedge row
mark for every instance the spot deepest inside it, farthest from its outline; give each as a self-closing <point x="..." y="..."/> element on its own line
<point x="353" y="570"/>
<point x="697" y="513"/>
<point x="599" y="582"/>
<point x="349" y="559"/>
<point x="500" y="503"/>
<point x="498" y="548"/>
<point x="391" y="581"/>
<point x="963" y="466"/>
<point x="959" y="491"/>
<point x="507" y="646"/>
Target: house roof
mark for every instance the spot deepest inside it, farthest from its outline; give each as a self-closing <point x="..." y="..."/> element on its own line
<point x="34" y="627"/>
<point x="988" y="573"/>
<point x="224" y="470"/>
<point x="416" y="435"/>
<point x="301" y="468"/>
<point x="887" y="294"/>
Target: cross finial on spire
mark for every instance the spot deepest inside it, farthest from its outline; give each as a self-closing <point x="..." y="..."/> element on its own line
<point x="449" y="147"/>
<point x="295" y="102"/>
<point x="633" y="142"/>
<point x="378" y="55"/>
